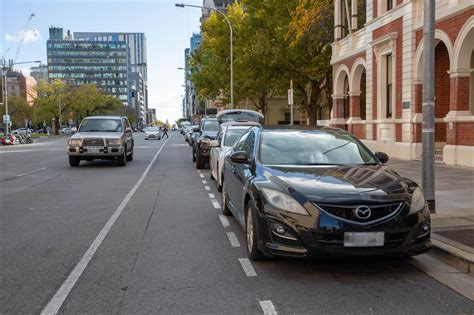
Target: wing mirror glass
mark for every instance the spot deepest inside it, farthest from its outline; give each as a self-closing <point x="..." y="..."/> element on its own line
<point x="240" y="157"/>
<point x="383" y="157"/>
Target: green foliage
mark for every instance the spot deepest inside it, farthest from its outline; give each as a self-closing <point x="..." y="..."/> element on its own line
<point x="19" y="110"/>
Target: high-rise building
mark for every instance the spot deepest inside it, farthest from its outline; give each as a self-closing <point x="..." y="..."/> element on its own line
<point x="103" y="63"/>
<point x="39" y="73"/>
<point x="214" y="4"/>
<point x="190" y="96"/>
<point x="138" y="98"/>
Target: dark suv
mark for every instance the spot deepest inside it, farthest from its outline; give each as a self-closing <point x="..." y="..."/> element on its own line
<point x="206" y="132"/>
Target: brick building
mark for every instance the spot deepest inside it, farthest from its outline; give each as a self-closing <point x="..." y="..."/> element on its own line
<point x="377" y="64"/>
<point x="19" y="85"/>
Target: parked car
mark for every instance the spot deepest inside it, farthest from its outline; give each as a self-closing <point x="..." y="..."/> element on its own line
<point x="239" y="115"/>
<point x="21" y="131"/>
<point x="228" y="134"/>
<point x="318" y="192"/>
<point x="189" y="131"/>
<point x="206" y="132"/>
<point x="152" y="133"/>
<point x="102" y="137"/>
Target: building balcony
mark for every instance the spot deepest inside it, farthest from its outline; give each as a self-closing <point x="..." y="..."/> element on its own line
<point x="351" y="45"/>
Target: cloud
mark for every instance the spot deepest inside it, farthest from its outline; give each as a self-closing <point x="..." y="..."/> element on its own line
<point x="29" y="36"/>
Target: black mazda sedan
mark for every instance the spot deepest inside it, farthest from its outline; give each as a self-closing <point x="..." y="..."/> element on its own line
<point x="320" y="192"/>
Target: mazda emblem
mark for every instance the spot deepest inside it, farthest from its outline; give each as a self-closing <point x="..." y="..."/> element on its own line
<point x="362" y="212"/>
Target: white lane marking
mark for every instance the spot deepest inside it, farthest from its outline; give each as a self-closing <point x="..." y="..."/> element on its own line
<point x="215" y="204"/>
<point x="204" y="182"/>
<point x="212" y="196"/>
<point x="247" y="266"/>
<point x="233" y="239"/>
<point x="207" y="188"/>
<point x="268" y="307"/>
<point x="199" y="171"/>
<point x="32" y="172"/>
<point x="202" y="175"/>
<point x="144" y="147"/>
<point x="60" y="296"/>
<point x="17" y="151"/>
<point x="225" y="222"/>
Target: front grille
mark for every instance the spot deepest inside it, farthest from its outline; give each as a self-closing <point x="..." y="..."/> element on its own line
<point x="335" y="243"/>
<point x="93" y="142"/>
<point x="346" y="212"/>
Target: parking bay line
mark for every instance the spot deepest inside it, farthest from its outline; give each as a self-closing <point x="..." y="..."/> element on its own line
<point x="204" y="182"/>
<point x="32" y="172"/>
<point x="60" y="296"/>
<point x="225" y="222"/>
<point x="268" y="307"/>
<point x="202" y="175"/>
<point x="211" y="196"/>
<point x="215" y="204"/>
<point x="234" y="242"/>
<point x="207" y="188"/>
<point x="247" y="266"/>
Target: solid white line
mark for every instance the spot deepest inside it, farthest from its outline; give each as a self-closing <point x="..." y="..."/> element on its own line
<point x="207" y="188"/>
<point x="215" y="204"/>
<point x="268" y="307"/>
<point x="225" y="222"/>
<point x="233" y="239"/>
<point x="35" y="171"/>
<point x="17" y="151"/>
<point x="60" y="296"/>
<point x="204" y="182"/>
<point x="248" y="268"/>
<point x="212" y="196"/>
<point x="202" y="175"/>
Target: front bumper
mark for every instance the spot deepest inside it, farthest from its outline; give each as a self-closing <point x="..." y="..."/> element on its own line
<point x="112" y="151"/>
<point x="323" y="235"/>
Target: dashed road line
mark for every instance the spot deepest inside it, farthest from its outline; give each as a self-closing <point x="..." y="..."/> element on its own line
<point x="215" y="204"/>
<point x="32" y="172"/>
<point x="225" y="222"/>
<point x="234" y="242"/>
<point x="268" y="307"/>
<point x="202" y="175"/>
<point x="204" y="182"/>
<point x="207" y="188"/>
<point x="212" y="196"/>
<point x="247" y="266"/>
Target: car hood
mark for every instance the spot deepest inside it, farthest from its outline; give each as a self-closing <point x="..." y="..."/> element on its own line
<point x="209" y="134"/>
<point x="340" y="183"/>
<point x="106" y="135"/>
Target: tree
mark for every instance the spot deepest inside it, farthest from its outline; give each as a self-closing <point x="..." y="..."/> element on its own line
<point x="19" y="111"/>
<point x="48" y="104"/>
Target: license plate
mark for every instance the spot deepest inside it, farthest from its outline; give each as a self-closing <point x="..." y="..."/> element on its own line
<point x="364" y="239"/>
<point x="93" y="149"/>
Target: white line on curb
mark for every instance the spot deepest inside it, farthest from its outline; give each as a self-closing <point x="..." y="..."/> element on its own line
<point x="32" y="172"/>
<point x="248" y="268"/>
<point x="207" y="188"/>
<point x="60" y="296"/>
<point x="212" y="196"/>
<point x="215" y="204"/>
<point x="233" y="239"/>
<point x="225" y="222"/>
<point x="268" y="307"/>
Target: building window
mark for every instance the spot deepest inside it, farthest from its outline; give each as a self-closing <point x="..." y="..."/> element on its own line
<point x="389" y="5"/>
<point x="389" y="85"/>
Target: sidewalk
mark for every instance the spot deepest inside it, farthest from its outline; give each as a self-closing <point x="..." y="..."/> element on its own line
<point x="453" y="222"/>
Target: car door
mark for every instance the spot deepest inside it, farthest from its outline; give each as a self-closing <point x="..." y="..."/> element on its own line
<point x="233" y="185"/>
<point x="214" y="154"/>
<point x="243" y="171"/>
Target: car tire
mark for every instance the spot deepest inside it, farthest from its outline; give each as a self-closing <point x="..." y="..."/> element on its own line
<point x="219" y="186"/>
<point x="74" y="161"/>
<point x="251" y="235"/>
<point x="194" y="156"/>
<point x="225" y="208"/>
<point x="200" y="163"/>
<point x="130" y="156"/>
<point x="122" y="160"/>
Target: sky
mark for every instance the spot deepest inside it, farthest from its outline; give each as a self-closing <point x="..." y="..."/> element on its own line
<point x="166" y="27"/>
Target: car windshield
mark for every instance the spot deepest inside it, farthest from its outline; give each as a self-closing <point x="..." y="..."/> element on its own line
<point x="232" y="135"/>
<point x="311" y="148"/>
<point x="101" y="125"/>
<point x="152" y="129"/>
<point x="210" y="125"/>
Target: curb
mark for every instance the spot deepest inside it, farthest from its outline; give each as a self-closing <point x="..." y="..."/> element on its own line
<point x="453" y="253"/>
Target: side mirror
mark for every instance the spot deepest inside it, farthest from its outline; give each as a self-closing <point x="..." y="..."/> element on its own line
<point x="383" y="157"/>
<point x="239" y="157"/>
<point x="128" y="130"/>
<point x="73" y="130"/>
<point x="214" y="143"/>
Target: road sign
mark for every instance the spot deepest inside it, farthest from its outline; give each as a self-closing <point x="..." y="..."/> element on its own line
<point x="6" y="119"/>
<point x="290" y="96"/>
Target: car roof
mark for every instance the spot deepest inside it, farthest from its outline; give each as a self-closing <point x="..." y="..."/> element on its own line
<point x="288" y="128"/>
<point x="105" y="116"/>
<point x="239" y="110"/>
<point x="240" y="123"/>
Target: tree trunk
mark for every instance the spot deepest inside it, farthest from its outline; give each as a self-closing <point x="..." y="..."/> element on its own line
<point x="56" y="125"/>
<point x="313" y="101"/>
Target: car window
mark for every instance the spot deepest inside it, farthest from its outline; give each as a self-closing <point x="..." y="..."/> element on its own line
<point x="210" y="125"/>
<point x="101" y="125"/>
<point x="249" y="144"/>
<point x="239" y="146"/>
<point x="312" y="148"/>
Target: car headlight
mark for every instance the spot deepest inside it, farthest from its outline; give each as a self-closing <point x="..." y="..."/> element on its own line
<point x="74" y="142"/>
<point x="114" y="142"/>
<point x="283" y="201"/>
<point x="417" y="201"/>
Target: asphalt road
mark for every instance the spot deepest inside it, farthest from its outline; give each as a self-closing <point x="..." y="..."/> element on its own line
<point x="166" y="249"/>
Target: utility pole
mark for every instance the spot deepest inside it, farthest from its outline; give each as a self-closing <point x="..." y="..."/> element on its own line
<point x="428" y="128"/>
<point x="290" y="101"/>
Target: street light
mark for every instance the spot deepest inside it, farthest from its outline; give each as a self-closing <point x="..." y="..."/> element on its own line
<point x="182" y="5"/>
<point x="5" y="70"/>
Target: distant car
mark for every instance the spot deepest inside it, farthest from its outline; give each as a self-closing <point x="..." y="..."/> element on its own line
<point x="21" y="131"/>
<point x="66" y="131"/>
<point x="206" y="132"/>
<point x="312" y="192"/>
<point x="188" y="133"/>
<point x="102" y="137"/>
<point x="228" y="134"/>
<point x="152" y="133"/>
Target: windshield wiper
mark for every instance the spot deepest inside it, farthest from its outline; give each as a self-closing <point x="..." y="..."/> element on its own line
<point x="338" y="147"/>
<point x="90" y="130"/>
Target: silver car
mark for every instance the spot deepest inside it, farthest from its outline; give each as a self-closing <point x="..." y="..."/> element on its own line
<point x="152" y="133"/>
<point x="101" y="137"/>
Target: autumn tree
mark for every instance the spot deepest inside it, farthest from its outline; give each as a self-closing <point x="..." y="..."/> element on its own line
<point x="19" y="111"/>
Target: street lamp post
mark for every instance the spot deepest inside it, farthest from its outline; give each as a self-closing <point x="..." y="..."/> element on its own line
<point x="5" y="70"/>
<point x="182" y="5"/>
